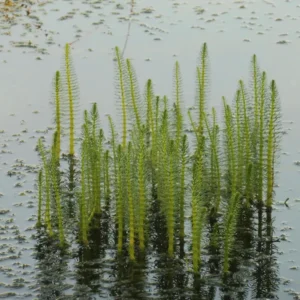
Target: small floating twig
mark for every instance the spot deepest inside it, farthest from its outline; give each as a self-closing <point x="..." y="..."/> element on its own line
<point x="285" y="202"/>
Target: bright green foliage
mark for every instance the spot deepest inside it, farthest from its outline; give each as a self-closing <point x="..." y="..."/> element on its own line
<point x="69" y="97"/>
<point x="170" y="198"/>
<point x="227" y="169"/>
<point x="202" y="85"/>
<point x="149" y="95"/>
<point x="93" y="139"/>
<point x="142" y="190"/>
<point x="134" y="105"/>
<point x="165" y="175"/>
<point x="246" y="141"/>
<point x="183" y="164"/>
<point x="122" y="93"/>
<point x="262" y="136"/>
<point x="178" y="97"/>
<point x="215" y="172"/>
<point x="233" y="203"/>
<point x="130" y="200"/>
<point x="152" y="123"/>
<point x="273" y="140"/>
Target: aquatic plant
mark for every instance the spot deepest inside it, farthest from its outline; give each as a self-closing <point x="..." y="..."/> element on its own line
<point x="216" y="175"/>
<point x="58" y="89"/>
<point x="122" y="93"/>
<point x="130" y="200"/>
<point x="202" y="86"/>
<point x="273" y="140"/>
<point x="142" y="192"/>
<point x="177" y="102"/>
<point x="233" y="204"/>
<point x="69" y="95"/>
<point x="55" y="181"/>
<point x="198" y="208"/>
<point x="165" y="174"/>
<point x="92" y="155"/>
<point x="262" y="135"/>
<point x="134" y="104"/>
<point x="120" y="196"/>
<point x="183" y="164"/>
<point x="82" y="198"/>
<point x="40" y="198"/>
<point x="47" y="187"/>
<point x="106" y="171"/>
<point x="215" y="168"/>
<point x="246" y="142"/>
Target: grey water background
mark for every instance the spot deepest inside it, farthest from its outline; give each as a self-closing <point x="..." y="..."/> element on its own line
<point x="161" y="32"/>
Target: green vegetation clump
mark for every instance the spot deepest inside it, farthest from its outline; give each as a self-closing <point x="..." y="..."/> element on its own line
<point x="200" y="184"/>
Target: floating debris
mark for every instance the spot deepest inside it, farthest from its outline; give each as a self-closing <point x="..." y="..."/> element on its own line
<point x="283" y="42"/>
<point x="119" y="6"/>
<point x="147" y="10"/>
<point x="28" y="44"/>
<point x="199" y="10"/>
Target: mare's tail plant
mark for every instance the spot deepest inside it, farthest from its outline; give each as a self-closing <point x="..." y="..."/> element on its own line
<point x="130" y="195"/>
<point x="134" y="106"/>
<point x="83" y="198"/>
<point x="246" y="142"/>
<point x="92" y="156"/>
<point x="70" y="96"/>
<point x="215" y="169"/>
<point x="55" y="182"/>
<point x="274" y="136"/>
<point x="46" y="171"/>
<point x="153" y="153"/>
<point x="142" y="190"/>
<point x="106" y="175"/>
<point x="233" y="204"/>
<point x="182" y="183"/>
<point x="178" y="104"/>
<point x="40" y="198"/>
<point x="199" y="211"/>
<point x="120" y="194"/>
<point x="121" y="87"/>
<point x="262" y="137"/>
<point x="57" y="97"/>
<point x="255" y="125"/>
<point x="202" y="86"/>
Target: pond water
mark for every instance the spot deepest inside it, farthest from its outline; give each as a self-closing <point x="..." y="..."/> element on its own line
<point x="32" y="38"/>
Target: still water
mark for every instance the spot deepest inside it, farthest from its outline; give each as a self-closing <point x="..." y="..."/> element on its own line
<point x="154" y="34"/>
